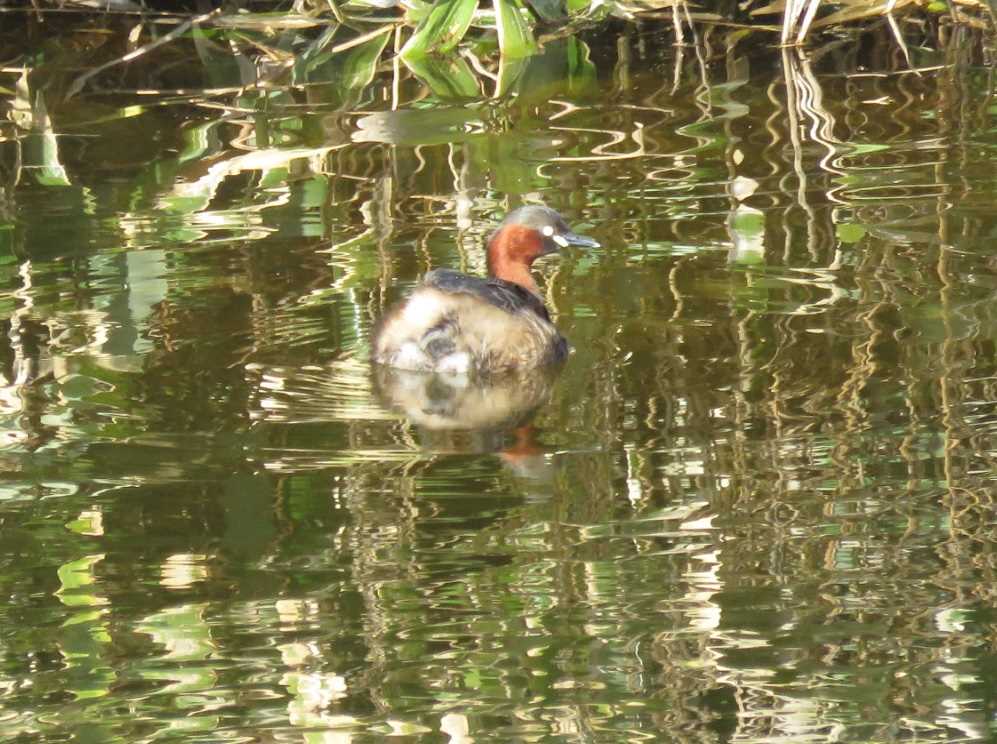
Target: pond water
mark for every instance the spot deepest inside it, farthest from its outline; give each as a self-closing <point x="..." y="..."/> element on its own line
<point x="756" y="504"/>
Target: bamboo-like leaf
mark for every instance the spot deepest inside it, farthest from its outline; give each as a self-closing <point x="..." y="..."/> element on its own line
<point x="360" y="63"/>
<point x="41" y="153"/>
<point x="409" y="5"/>
<point x="515" y="35"/>
<point x="448" y="79"/>
<point x="442" y="29"/>
<point x="21" y="113"/>
<point x="41" y="147"/>
<point x="853" y="11"/>
<point x="345" y="69"/>
<point x="510" y="71"/>
<point x="275" y="21"/>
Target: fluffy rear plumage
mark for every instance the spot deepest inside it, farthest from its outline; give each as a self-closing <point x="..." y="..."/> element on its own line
<point x="479" y="326"/>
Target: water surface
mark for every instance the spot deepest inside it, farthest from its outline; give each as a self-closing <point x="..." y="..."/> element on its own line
<point x="755" y="505"/>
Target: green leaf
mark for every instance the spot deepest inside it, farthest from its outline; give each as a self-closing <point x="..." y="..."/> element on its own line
<point x="510" y="71"/>
<point x="40" y="155"/>
<point x="338" y="77"/>
<point x="448" y="79"/>
<point x="515" y="35"/>
<point x="442" y="29"/>
<point x="349" y="69"/>
<point x="360" y="63"/>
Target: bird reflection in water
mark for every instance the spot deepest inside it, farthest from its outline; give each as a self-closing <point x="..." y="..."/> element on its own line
<point x="464" y="414"/>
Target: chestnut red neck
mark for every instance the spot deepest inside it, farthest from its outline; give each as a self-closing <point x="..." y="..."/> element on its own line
<point x="511" y="252"/>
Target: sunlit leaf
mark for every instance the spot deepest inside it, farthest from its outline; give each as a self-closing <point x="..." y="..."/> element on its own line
<point x="853" y="10"/>
<point x="448" y="79"/>
<point x="348" y="69"/>
<point x="510" y="71"/>
<point x="40" y="155"/>
<point x="360" y="63"/>
<point x="775" y="7"/>
<point x="442" y="29"/>
<point x="267" y="21"/>
<point x="223" y="66"/>
<point x="381" y="4"/>
<point x="52" y="173"/>
<point x="345" y="72"/>
<point x="21" y="112"/>
<point x="515" y="36"/>
<point x="107" y="5"/>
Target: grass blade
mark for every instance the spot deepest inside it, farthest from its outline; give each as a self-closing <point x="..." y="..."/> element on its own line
<point x="442" y="29"/>
<point x="514" y="33"/>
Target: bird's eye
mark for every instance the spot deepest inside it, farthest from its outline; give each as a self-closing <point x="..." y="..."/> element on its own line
<point x="548" y="230"/>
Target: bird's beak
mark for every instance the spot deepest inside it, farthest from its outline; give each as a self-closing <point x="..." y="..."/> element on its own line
<point x="565" y="239"/>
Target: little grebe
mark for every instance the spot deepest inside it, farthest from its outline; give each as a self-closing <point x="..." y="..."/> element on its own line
<point x="455" y="323"/>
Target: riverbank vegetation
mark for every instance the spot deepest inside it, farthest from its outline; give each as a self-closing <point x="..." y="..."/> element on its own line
<point x="433" y="36"/>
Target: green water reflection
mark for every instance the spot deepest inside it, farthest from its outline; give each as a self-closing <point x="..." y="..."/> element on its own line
<point x="755" y="505"/>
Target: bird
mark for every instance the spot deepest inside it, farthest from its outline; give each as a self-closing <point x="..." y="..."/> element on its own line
<point x="457" y="324"/>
